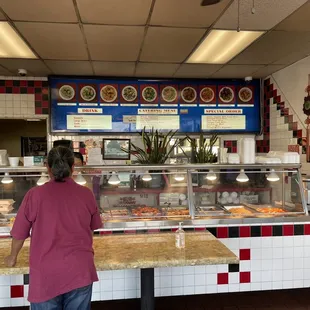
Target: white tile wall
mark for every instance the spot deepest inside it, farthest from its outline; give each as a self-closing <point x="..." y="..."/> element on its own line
<point x="17" y="105"/>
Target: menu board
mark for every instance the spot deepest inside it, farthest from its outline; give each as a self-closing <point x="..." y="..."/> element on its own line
<point x="81" y="105"/>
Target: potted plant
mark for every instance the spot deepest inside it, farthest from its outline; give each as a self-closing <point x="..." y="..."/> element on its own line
<point x="202" y="152"/>
<point x="157" y="147"/>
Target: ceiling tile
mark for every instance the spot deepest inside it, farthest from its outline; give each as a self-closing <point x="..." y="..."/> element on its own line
<point x="293" y="57"/>
<point x="236" y="71"/>
<point x="38" y="10"/>
<point x="196" y="71"/>
<point x="34" y="67"/>
<point x="298" y="21"/>
<point x="186" y="13"/>
<point x="267" y="70"/>
<point x="55" y="41"/>
<point x="145" y="69"/>
<point x="70" y="67"/>
<point x="114" y="43"/>
<point x="169" y="44"/>
<point x="114" y="68"/>
<point x="267" y="14"/>
<point x="117" y="12"/>
<point x="271" y="47"/>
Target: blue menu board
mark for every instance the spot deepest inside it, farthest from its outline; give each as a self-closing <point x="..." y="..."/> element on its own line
<point x="83" y="105"/>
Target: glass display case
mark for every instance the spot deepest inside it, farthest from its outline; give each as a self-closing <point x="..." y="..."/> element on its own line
<point x="149" y="196"/>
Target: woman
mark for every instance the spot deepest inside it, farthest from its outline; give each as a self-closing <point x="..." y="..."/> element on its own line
<point x="61" y="216"/>
<point x="78" y="159"/>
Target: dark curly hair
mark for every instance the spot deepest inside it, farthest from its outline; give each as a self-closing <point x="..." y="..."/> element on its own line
<point x="60" y="160"/>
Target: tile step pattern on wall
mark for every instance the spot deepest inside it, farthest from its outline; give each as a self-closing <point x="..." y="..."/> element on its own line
<point x="281" y="131"/>
<point x="15" y="93"/>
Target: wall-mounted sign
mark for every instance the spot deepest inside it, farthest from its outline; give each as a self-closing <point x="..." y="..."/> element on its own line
<point x="80" y="105"/>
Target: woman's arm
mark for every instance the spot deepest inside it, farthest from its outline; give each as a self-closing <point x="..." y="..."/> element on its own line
<point x="16" y="246"/>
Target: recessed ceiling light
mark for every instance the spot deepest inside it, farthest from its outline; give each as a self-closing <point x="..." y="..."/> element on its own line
<point x="11" y="44"/>
<point x="220" y="46"/>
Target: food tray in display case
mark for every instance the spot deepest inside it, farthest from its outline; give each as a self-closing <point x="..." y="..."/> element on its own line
<point x="120" y="213"/>
<point x="146" y="212"/>
<point x="176" y="212"/>
<point x="239" y="210"/>
<point x="268" y="209"/>
<point x="209" y="211"/>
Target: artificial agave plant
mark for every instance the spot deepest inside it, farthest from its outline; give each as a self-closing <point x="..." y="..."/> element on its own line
<point x="156" y="146"/>
<point x="202" y="152"/>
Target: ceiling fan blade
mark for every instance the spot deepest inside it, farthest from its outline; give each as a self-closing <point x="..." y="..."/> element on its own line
<point x="209" y="2"/>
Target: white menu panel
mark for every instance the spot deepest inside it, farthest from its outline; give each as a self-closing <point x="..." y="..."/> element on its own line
<point x="89" y="122"/>
<point x="223" y="122"/>
<point x="165" y="122"/>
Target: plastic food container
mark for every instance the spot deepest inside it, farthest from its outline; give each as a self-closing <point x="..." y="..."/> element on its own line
<point x="233" y="159"/>
<point x="14" y="161"/>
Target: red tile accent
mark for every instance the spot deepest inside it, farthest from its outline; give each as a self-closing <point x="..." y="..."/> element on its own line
<point x="2" y="90"/>
<point x="222" y="278"/>
<point x="106" y="232"/>
<point x="244" y="231"/>
<point x="44" y="104"/>
<point x="45" y="90"/>
<point x="199" y="228"/>
<point x="37" y="83"/>
<point x="245" y="254"/>
<point x="129" y="231"/>
<point x="174" y="229"/>
<point x="39" y="111"/>
<point x="38" y="97"/>
<point x="307" y="229"/>
<point x="245" y="277"/>
<point x="30" y="90"/>
<point x="23" y="83"/>
<point x="293" y="148"/>
<point x="234" y="150"/>
<point x="288" y="230"/>
<point x="299" y="133"/>
<point x="17" y="291"/>
<point x="9" y="83"/>
<point x="152" y="231"/>
<point x="16" y="90"/>
<point x="222" y="232"/>
<point x="266" y="231"/>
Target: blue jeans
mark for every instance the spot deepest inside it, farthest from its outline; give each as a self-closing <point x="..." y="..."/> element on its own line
<point x="79" y="299"/>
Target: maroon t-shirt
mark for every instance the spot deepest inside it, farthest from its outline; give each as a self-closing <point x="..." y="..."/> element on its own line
<point x="61" y="217"/>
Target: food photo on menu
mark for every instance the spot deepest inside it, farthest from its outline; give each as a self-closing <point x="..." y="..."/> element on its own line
<point x="245" y="95"/>
<point x="66" y="92"/>
<point x="108" y="93"/>
<point x="87" y="93"/>
<point x="169" y="94"/>
<point x="226" y="95"/>
<point x="129" y="93"/>
<point x="207" y="94"/>
<point x="188" y="95"/>
<point x="149" y="93"/>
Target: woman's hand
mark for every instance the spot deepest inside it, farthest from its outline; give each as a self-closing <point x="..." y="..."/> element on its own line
<point x="10" y="261"/>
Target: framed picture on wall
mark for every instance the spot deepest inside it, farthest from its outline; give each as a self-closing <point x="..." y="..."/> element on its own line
<point x="114" y="149"/>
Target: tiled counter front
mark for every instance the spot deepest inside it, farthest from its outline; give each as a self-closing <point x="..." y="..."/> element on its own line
<point x="271" y="257"/>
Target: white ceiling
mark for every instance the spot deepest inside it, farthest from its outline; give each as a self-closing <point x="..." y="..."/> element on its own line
<point x="152" y="38"/>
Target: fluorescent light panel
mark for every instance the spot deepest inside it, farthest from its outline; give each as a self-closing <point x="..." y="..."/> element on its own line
<point x="11" y="44"/>
<point x="220" y="46"/>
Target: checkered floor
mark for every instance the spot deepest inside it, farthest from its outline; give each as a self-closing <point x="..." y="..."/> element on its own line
<point x="298" y="299"/>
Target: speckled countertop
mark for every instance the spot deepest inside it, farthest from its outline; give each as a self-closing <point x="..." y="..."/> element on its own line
<point x="141" y="251"/>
